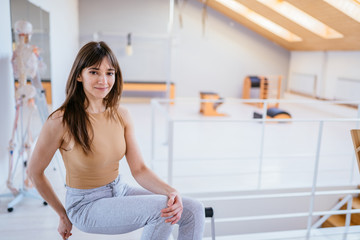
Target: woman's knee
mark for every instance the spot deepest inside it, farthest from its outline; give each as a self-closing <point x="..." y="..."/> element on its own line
<point x="195" y="207"/>
<point x="155" y="205"/>
<point x="158" y="202"/>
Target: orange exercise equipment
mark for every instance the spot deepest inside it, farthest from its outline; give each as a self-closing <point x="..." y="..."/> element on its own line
<point x="273" y="113"/>
<point x="266" y="88"/>
<point x="208" y="108"/>
<point x="355" y="135"/>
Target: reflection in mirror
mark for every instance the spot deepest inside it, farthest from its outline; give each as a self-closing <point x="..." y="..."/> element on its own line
<point x="39" y="40"/>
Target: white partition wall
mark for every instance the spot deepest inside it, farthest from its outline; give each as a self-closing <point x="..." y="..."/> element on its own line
<point x="64" y="42"/>
<point x="343" y="74"/>
<point x="336" y="73"/>
<point x="306" y="73"/>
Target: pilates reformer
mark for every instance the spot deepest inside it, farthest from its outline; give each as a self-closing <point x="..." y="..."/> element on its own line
<point x="266" y="89"/>
<point x="273" y="113"/>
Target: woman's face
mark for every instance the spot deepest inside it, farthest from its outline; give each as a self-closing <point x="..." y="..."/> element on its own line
<point x="98" y="80"/>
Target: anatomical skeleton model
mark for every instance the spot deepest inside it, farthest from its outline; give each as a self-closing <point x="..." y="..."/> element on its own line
<point x="26" y="64"/>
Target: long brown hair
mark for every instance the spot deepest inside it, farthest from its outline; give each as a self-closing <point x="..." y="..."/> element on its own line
<point x="75" y="118"/>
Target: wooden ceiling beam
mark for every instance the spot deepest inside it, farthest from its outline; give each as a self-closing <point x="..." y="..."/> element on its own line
<point x="312" y="42"/>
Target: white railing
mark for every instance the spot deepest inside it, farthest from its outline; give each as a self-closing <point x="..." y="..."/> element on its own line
<point x="345" y="200"/>
<point x="324" y="215"/>
<point x="164" y="110"/>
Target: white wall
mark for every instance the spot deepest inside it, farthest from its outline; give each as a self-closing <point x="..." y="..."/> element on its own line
<point x="146" y="20"/>
<point x="306" y="72"/>
<point x="7" y="91"/>
<point x="328" y="67"/>
<point x="343" y="65"/>
<point x="137" y="16"/>
<point x="218" y="61"/>
<point x="64" y="42"/>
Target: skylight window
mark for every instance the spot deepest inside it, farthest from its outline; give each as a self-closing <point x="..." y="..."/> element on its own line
<point x="302" y="18"/>
<point x="260" y="20"/>
<point x="349" y="7"/>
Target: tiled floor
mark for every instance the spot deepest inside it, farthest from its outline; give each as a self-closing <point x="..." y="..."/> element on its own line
<point x="215" y="157"/>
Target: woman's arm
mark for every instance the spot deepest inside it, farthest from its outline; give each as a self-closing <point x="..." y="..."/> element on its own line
<point x="147" y="178"/>
<point x="48" y="142"/>
<point x="142" y="174"/>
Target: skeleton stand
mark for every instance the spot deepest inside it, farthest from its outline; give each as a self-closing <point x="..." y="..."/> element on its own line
<point x="22" y="191"/>
<point x="26" y="63"/>
<point x="22" y="133"/>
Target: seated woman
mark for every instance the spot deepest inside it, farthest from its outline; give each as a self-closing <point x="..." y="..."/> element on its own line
<point x="93" y="133"/>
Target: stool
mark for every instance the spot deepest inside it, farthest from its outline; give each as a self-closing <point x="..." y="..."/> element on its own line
<point x="209" y="212"/>
<point x="209" y="108"/>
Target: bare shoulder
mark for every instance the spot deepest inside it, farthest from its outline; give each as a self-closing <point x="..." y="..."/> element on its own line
<point x="55" y="122"/>
<point x="122" y="110"/>
<point x="57" y="115"/>
<point x="125" y="115"/>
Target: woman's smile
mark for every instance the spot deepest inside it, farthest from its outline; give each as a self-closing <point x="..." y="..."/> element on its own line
<point x="98" y="80"/>
<point x="102" y="88"/>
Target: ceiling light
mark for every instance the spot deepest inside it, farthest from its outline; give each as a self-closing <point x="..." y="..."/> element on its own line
<point x="260" y="20"/>
<point x="349" y="7"/>
<point x="302" y="18"/>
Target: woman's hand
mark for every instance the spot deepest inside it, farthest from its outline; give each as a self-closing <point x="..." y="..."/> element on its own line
<point x="174" y="209"/>
<point x="65" y="227"/>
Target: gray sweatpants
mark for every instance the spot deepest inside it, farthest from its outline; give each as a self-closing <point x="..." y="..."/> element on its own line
<point x="118" y="208"/>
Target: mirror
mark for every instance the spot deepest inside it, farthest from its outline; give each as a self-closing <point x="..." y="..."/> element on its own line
<point x="39" y="18"/>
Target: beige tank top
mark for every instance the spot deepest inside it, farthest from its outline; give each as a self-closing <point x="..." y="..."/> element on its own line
<point x="101" y="166"/>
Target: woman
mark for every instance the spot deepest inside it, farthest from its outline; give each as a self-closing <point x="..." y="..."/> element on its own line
<point x="93" y="132"/>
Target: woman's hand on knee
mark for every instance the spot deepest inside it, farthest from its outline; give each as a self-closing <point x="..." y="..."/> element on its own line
<point x="65" y="227"/>
<point x="175" y="208"/>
